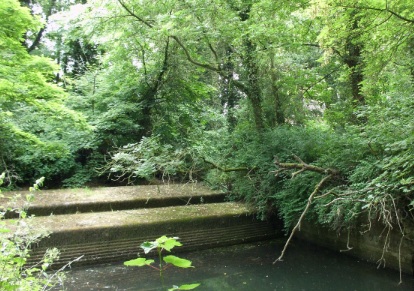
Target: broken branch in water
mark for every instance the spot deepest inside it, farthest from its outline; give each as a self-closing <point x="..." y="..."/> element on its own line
<point x="301" y="167"/>
<point x="297" y="226"/>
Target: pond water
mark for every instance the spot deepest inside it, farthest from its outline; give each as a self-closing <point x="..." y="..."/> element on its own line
<point x="247" y="267"/>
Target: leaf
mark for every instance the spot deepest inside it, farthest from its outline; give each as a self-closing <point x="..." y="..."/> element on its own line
<point x="189" y="286"/>
<point x="185" y="287"/>
<point x="139" y="262"/>
<point x="178" y="262"/>
<point x="149" y="246"/>
<point x="170" y="243"/>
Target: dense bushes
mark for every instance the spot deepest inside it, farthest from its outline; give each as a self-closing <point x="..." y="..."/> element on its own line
<point x="374" y="161"/>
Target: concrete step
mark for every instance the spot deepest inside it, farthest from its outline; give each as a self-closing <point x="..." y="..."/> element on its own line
<point x="116" y="235"/>
<point x="109" y="224"/>
<point x="69" y="201"/>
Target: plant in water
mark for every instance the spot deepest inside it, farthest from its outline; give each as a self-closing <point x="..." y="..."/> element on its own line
<point x="160" y="244"/>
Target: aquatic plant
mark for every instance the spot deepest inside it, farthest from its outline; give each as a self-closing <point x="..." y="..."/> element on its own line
<point x="160" y="244"/>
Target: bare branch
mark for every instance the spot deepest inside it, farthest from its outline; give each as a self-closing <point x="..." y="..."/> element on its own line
<point x="348" y="248"/>
<point x="298" y="172"/>
<point x="298" y="224"/>
<point x="190" y="59"/>
<point x="39" y="35"/>
<point x="302" y="166"/>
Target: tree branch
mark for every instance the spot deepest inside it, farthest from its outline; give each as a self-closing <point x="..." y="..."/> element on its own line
<point x="399" y="16"/>
<point x="241" y="86"/>
<point x="297" y="226"/>
<point x="302" y="166"/>
<point x="190" y="59"/>
<point x="131" y="13"/>
<point x="40" y="32"/>
<point x="386" y="9"/>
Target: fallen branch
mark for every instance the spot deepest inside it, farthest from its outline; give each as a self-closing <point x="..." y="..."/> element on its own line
<point x="382" y="208"/>
<point x="301" y="166"/>
<point x="297" y="226"/>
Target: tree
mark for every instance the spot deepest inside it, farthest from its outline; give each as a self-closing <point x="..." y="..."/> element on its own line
<point x="371" y="39"/>
<point x="29" y="100"/>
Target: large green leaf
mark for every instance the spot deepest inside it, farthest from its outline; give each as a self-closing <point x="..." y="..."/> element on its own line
<point x="168" y="243"/>
<point x="178" y="262"/>
<point x="139" y="262"/>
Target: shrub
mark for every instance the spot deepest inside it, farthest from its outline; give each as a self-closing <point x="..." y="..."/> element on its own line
<point x="16" y="238"/>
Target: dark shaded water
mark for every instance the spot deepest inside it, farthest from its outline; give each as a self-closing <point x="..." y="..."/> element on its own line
<point x="248" y="267"/>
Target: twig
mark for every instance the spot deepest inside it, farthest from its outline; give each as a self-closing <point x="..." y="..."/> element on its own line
<point x="348" y="248"/>
<point x="60" y="270"/>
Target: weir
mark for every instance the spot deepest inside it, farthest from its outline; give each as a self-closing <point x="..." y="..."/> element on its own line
<point x="109" y="224"/>
<point x="105" y="225"/>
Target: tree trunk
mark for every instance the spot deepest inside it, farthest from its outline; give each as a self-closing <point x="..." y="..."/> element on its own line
<point x="229" y="95"/>
<point x="353" y="60"/>
<point x="254" y="93"/>
<point x="279" y="114"/>
<point x="150" y="94"/>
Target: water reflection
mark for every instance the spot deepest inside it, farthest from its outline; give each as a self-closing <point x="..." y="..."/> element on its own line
<point x="248" y="267"/>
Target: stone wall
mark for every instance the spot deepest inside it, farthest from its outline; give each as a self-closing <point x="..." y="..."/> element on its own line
<point x="369" y="245"/>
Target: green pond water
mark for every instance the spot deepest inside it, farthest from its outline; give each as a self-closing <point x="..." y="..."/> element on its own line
<point x="247" y="267"/>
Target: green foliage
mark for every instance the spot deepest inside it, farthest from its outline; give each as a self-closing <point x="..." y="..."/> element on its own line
<point x="147" y="159"/>
<point x="160" y="244"/>
<point x="37" y="130"/>
<point x="373" y="159"/>
<point x="291" y="199"/>
<point x="257" y="152"/>
<point x="16" y="238"/>
<point x="167" y="87"/>
<point x="375" y="162"/>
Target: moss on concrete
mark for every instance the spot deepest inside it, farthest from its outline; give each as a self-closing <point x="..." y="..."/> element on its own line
<point x="108" y="224"/>
<point x="69" y="201"/>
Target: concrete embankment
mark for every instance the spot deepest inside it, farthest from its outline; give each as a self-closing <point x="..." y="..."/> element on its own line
<point x="371" y="242"/>
<point x="109" y="224"/>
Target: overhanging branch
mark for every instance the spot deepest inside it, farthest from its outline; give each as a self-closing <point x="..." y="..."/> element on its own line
<point x="131" y="13"/>
<point x="297" y="226"/>
<point x="190" y="59"/>
<point x="301" y="166"/>
<point x="241" y="86"/>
